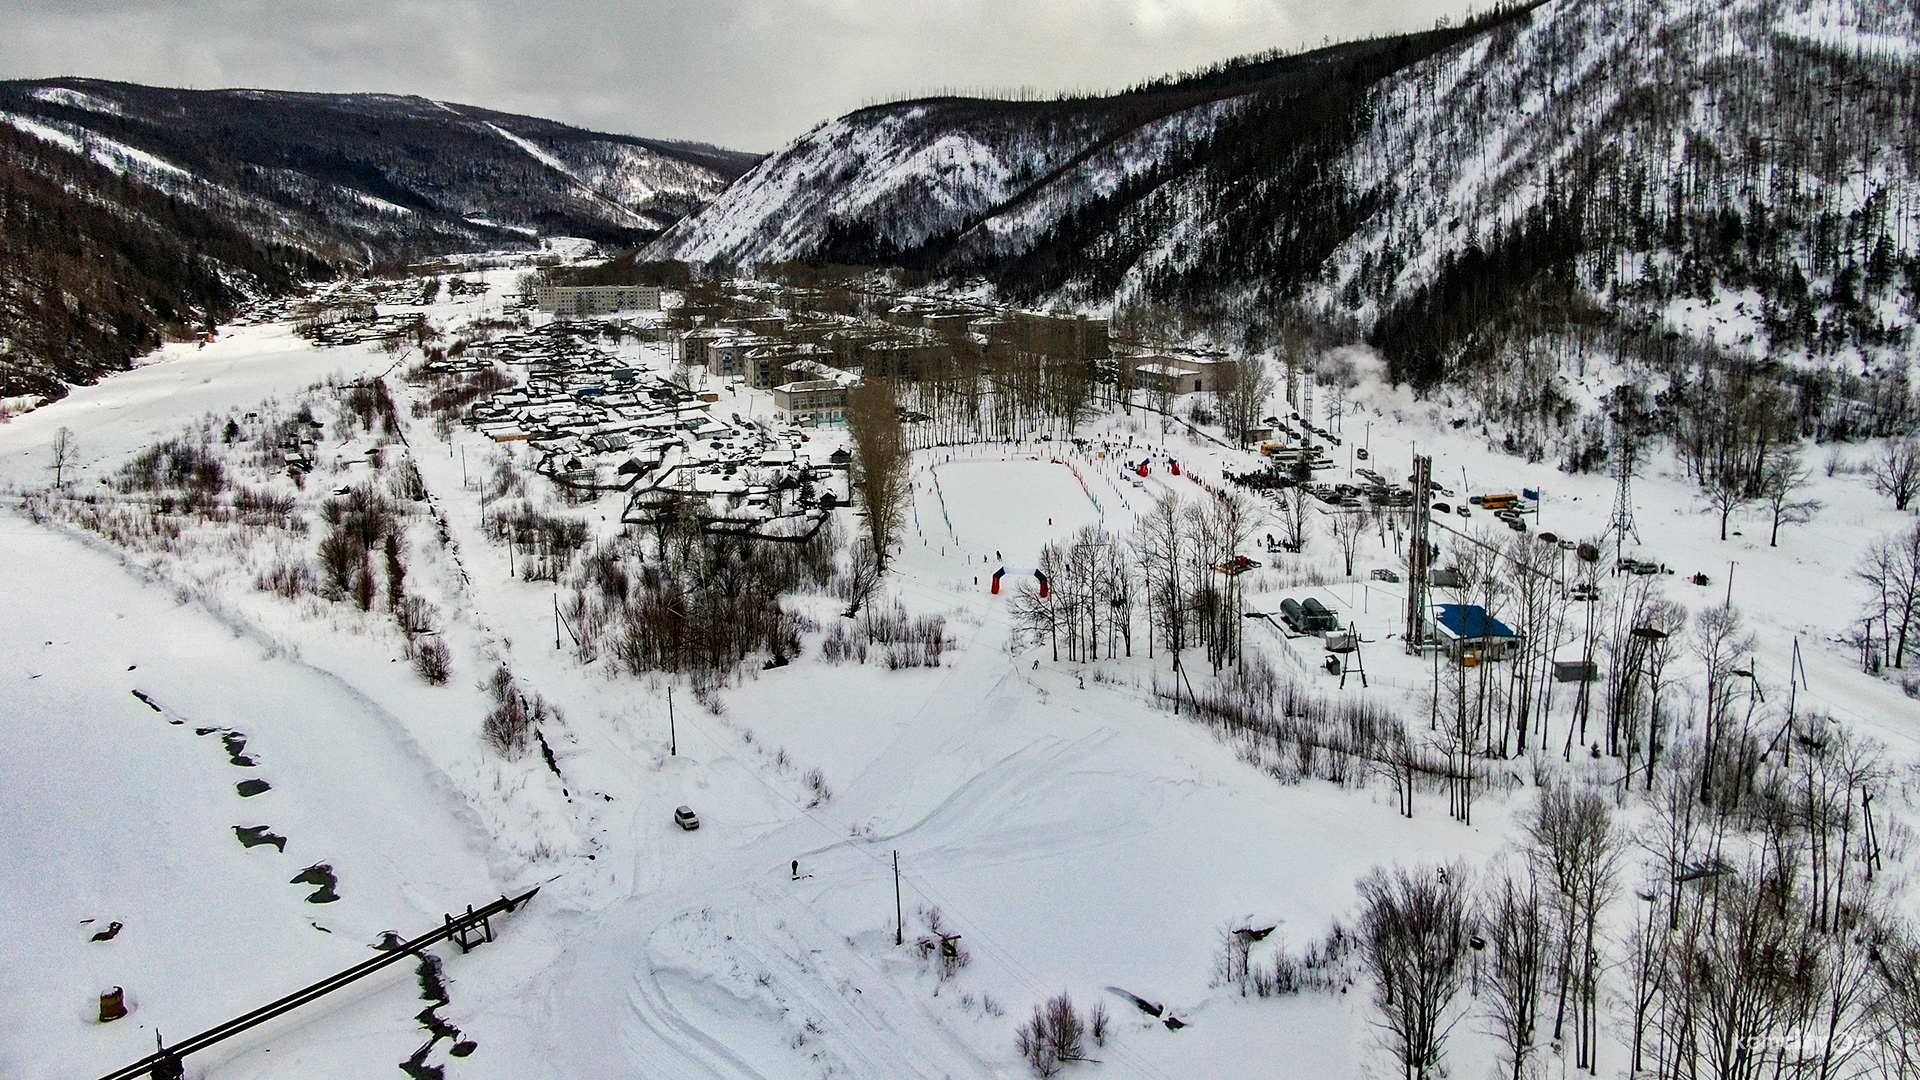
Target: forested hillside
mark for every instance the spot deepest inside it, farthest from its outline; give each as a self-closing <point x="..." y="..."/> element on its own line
<point x="133" y="209"/>
<point x="1529" y="208"/>
<point x="95" y="267"/>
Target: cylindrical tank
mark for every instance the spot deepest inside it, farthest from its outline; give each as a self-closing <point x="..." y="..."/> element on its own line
<point x="1295" y="616"/>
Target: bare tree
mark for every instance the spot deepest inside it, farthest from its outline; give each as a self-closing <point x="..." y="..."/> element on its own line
<point x="1414" y="933"/>
<point x="880" y="459"/>
<point x="861" y="579"/>
<point x="1896" y="472"/>
<point x="1516" y="937"/>
<point x="1784" y="477"/>
<point x="1241" y="397"/>
<point x="1296" y="527"/>
<point x="1348" y="526"/>
<point x="1726" y="491"/>
<point x="1574" y="848"/>
<point x="65" y="456"/>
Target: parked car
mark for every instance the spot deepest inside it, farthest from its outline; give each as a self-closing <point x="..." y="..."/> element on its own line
<point x="685" y="818"/>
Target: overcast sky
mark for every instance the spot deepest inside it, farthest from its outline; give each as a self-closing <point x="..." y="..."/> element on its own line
<point x="747" y="74"/>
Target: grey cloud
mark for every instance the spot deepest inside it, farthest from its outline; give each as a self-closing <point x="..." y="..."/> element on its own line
<point x="749" y="74"/>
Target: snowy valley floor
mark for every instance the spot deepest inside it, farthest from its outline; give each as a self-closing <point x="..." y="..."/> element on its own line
<point x="1077" y="834"/>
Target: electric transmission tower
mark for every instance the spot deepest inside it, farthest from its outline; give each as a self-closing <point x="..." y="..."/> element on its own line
<point x="1625" y="456"/>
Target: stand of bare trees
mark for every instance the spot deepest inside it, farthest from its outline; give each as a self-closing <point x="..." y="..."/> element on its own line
<point x="1575" y="851"/>
<point x="1766" y="949"/>
<point x="1241" y="398"/>
<point x="1415" y="932"/>
<point x="1089" y="596"/>
<point x="1891" y="568"/>
<point x="1517" y="930"/>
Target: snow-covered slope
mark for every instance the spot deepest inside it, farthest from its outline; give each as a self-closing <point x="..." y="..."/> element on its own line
<point x="134" y="213"/>
<point x="1740" y="173"/>
<point x="901" y="174"/>
<point x="372" y="174"/>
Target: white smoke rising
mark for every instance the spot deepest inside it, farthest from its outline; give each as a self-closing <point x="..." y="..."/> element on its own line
<point x="1363" y="372"/>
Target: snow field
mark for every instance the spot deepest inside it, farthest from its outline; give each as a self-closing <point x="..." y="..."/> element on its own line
<point x="115" y="813"/>
<point x="1015" y="506"/>
<point x="1077" y="836"/>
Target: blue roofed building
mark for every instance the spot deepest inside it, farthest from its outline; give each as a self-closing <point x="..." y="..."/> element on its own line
<point x="1467" y="630"/>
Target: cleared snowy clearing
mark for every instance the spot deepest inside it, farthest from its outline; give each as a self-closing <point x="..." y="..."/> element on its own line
<point x="1013" y="506"/>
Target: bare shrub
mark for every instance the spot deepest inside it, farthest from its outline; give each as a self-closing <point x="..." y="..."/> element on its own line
<point x="1054" y="1027"/>
<point x="253" y="506"/>
<point x="340" y="557"/>
<point x="706" y="691"/>
<point x="364" y="588"/>
<point x="842" y="644"/>
<point x="174" y="465"/>
<point x="547" y="543"/>
<point x="433" y="661"/>
<point x="407" y="483"/>
<point x="415" y="615"/>
<point x="287" y="580"/>
<point x="368" y="403"/>
<point x="940" y="948"/>
<point x="816" y="782"/>
<point x="510" y="723"/>
<point x="911" y="641"/>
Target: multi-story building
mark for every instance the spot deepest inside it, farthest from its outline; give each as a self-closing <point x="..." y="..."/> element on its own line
<point x="596" y="299"/>
<point x="812" y="402"/>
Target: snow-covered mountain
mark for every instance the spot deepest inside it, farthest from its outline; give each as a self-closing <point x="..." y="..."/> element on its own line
<point x="1738" y="174"/>
<point x="130" y="213"/>
<point x="353" y="173"/>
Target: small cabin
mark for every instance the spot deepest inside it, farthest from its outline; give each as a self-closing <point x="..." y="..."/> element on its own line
<point x="1466" y="630"/>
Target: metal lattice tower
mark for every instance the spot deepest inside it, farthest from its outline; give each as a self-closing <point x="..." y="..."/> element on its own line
<point x="1621" y="524"/>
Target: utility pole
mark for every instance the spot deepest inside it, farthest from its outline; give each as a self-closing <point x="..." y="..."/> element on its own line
<point x="899" y="920"/>
<point x="673" y="740"/>
<point x="1419" y="554"/>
